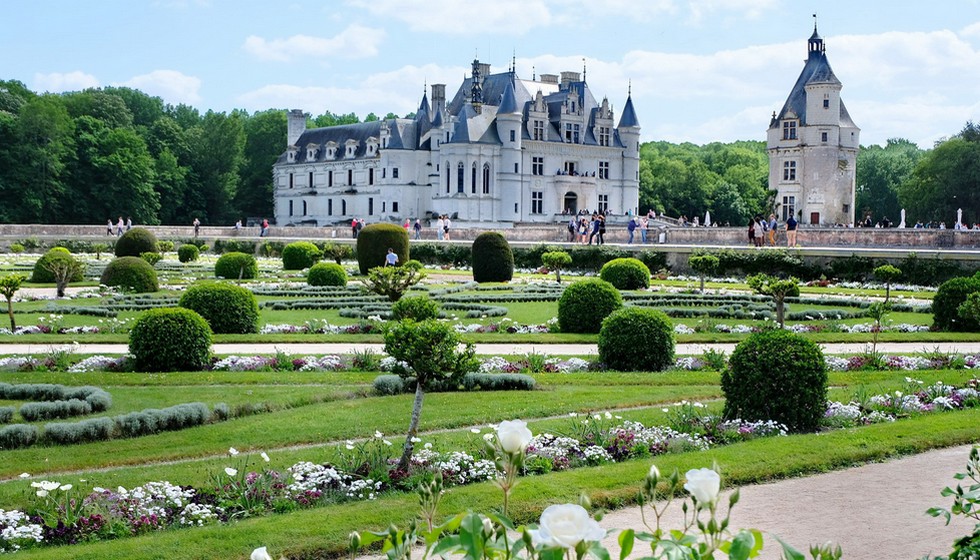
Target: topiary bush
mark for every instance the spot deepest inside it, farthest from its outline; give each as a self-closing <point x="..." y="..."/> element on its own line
<point x="418" y="308"/>
<point x="584" y="304"/>
<point x="626" y="274"/>
<point x="132" y="274"/>
<point x="170" y="339"/>
<point x="152" y="258"/>
<point x="776" y="375"/>
<point x="326" y="274"/>
<point x="637" y="339"/>
<point x="228" y="308"/>
<point x="188" y="253"/>
<point x="299" y="255"/>
<point x="945" y="305"/>
<point x="374" y="241"/>
<point x="493" y="260"/>
<point x="236" y="266"/>
<point x="43" y="275"/>
<point x="135" y="242"/>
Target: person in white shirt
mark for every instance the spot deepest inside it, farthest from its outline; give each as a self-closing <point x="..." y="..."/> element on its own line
<point x="440" y="228"/>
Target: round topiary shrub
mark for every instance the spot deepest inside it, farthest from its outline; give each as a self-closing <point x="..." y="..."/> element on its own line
<point x="637" y="339"/>
<point x="584" y="305"/>
<point x="945" y="305"/>
<point x="374" y="241"/>
<point x="417" y="308"/>
<point x="132" y="274"/>
<point x="135" y="242"/>
<point x="228" y="308"/>
<point x="776" y="375"/>
<point x="626" y="274"/>
<point x="41" y="273"/>
<point x="326" y="274"/>
<point x="299" y="255"/>
<point x="170" y="339"/>
<point x="493" y="261"/>
<point x="188" y="253"/>
<point x="236" y="266"/>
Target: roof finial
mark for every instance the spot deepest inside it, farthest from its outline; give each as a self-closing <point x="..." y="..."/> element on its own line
<point x="513" y="61"/>
<point x="534" y="73"/>
<point x="629" y="88"/>
<point x="583" y="68"/>
<point x="814" y="23"/>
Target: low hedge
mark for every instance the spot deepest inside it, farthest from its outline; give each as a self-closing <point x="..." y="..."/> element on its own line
<point x="135" y="242"/>
<point x="395" y="385"/>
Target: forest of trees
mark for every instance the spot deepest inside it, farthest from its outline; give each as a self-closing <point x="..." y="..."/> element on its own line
<point x="85" y="157"/>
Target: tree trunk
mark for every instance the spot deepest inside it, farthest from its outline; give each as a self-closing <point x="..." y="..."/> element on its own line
<point x="888" y="290"/>
<point x="702" y="283"/>
<point x="558" y="275"/>
<point x="10" y="311"/>
<point x="779" y="312"/>
<point x="60" y="286"/>
<point x="413" y="428"/>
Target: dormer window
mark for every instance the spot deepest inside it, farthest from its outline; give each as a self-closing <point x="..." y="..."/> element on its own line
<point x="604" y="135"/>
<point x="372" y="147"/>
<point x="311" y="152"/>
<point x="350" y="149"/>
<point x="291" y="154"/>
<point x="331" y="150"/>
<point x="789" y="130"/>
<point x="538" y="130"/>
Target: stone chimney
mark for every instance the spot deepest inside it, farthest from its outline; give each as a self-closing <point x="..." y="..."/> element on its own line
<point x="569" y="77"/>
<point x="295" y="127"/>
<point x="438" y="97"/>
<point x="549" y="78"/>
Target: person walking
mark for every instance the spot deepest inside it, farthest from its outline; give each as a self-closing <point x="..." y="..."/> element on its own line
<point x="196" y="224"/>
<point x="264" y="228"/>
<point x="773" y="226"/>
<point x="129" y="223"/>
<point x="572" y="227"/>
<point x="120" y="225"/>
<point x="583" y="230"/>
<point x="418" y="229"/>
<point x="353" y="227"/>
<point x="630" y="230"/>
<point x="407" y="224"/>
<point x="108" y="227"/>
<point x="791" y="226"/>
<point x="751" y="231"/>
<point x="391" y="259"/>
<point x="644" y="225"/>
<point x="445" y="228"/>
<point x="602" y="229"/>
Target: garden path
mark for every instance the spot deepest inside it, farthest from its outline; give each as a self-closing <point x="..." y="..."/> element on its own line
<point x="491" y="349"/>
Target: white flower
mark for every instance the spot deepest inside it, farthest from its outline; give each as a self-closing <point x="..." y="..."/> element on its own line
<point x="260" y="554"/>
<point x="42" y="493"/>
<point x="65" y="487"/>
<point x="265" y="457"/>
<point x="386" y="442"/>
<point x="488" y="437"/>
<point x="608" y="415"/>
<point x="230" y="471"/>
<point x="703" y="484"/>
<point x="513" y="436"/>
<point x="654" y="472"/>
<point x="565" y="526"/>
<point x="475" y="430"/>
<point x="416" y="440"/>
<point x="232" y="451"/>
<point x="349" y="446"/>
<point x="25" y="475"/>
<point x="378" y="434"/>
<point x="428" y="445"/>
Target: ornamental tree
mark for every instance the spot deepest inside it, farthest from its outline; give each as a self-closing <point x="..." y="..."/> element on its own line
<point x="778" y="289"/>
<point x="63" y="267"/>
<point x="393" y="281"/>
<point x="431" y="349"/>
<point x="887" y="274"/>
<point x="556" y="260"/>
<point x="703" y="265"/>
<point x="8" y="287"/>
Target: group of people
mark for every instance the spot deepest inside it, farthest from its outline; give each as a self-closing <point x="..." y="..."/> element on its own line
<point x="642" y="224"/>
<point x="762" y="230"/>
<point x="585" y="229"/>
<point x="121" y="226"/>
<point x="443" y="225"/>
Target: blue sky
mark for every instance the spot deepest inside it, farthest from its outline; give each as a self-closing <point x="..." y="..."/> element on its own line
<point x="701" y="70"/>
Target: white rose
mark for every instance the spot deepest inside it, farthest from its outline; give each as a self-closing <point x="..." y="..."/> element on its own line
<point x="513" y="436"/>
<point x="230" y="471"/>
<point x="565" y="526"/>
<point x="260" y="554"/>
<point x="265" y="457"/>
<point x="703" y="484"/>
<point x="654" y="472"/>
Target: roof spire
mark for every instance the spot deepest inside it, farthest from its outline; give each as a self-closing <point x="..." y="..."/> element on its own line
<point x="534" y="73"/>
<point x="583" y="68"/>
<point x="815" y="46"/>
<point x="629" y="88"/>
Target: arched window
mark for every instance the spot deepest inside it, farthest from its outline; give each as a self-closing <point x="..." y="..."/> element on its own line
<point x="459" y="177"/>
<point x="447" y="178"/>
<point x="473" y="179"/>
<point x="486" y="178"/>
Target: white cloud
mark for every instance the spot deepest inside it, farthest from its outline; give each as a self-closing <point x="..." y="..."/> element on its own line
<point x="510" y="17"/>
<point x="744" y="9"/>
<point x="972" y="30"/>
<point x="356" y="41"/>
<point x="170" y="85"/>
<point x="58" y="82"/>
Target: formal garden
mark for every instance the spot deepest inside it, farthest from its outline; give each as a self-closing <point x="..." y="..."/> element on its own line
<point x="173" y="449"/>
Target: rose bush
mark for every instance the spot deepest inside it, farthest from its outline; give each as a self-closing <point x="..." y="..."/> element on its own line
<point x="565" y="526"/>
<point x="513" y="435"/>
<point x="704" y="485"/>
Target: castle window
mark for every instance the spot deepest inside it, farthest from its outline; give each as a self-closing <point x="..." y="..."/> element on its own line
<point x="537" y="203"/>
<point x="290" y="180"/>
<point x="384" y="203"/>
<point x="789" y="207"/>
<point x="537" y="165"/>
<point x="538" y="127"/>
<point x="291" y="156"/>
<point x="603" y="135"/>
<point x="290" y="207"/>
<point x="572" y="133"/>
<point x="513" y="135"/>
<point x="447" y="178"/>
<point x="486" y="178"/>
<point x="350" y="177"/>
<point x="603" y="169"/>
<point x="329" y="178"/>
<point x="370" y="206"/>
<point x="789" y="171"/>
<point x="370" y="175"/>
<point x="603" y="203"/>
<point x="394" y="172"/>
<point x="826" y="101"/>
<point x="473" y="179"/>
<point x="789" y="130"/>
<point x="516" y="168"/>
<point x="459" y="178"/>
<point x="311" y="180"/>
<point x="847" y="208"/>
<point x="329" y="207"/>
<point x="343" y="207"/>
<point x="394" y="207"/>
<point x="823" y="137"/>
<point x="304" y="207"/>
<point x="311" y="154"/>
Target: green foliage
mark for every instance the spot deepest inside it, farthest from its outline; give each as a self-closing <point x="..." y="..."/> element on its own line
<point x="946" y="179"/>
<point x="188" y="253"/>
<point x="339" y="252"/>
<point x="326" y="274"/>
<point x="887" y="273"/>
<point x="704" y="265"/>
<point x="493" y="260"/>
<point x="16" y="248"/>
<point x="556" y="260"/>
<point x="135" y="242"/>
<point x="151" y="258"/>
<point x="626" y="274"/>
<point x="880" y="174"/>
<point x="966" y="503"/>
<point x="236" y="266"/>
<point x="18" y="435"/>
<point x="417" y="308"/>
<point x="430" y="348"/>
<point x="947" y="301"/>
<point x="584" y="305"/>
<point x="300" y="255"/>
<point x="9" y="284"/>
<point x="637" y="339"/>
<point x="6" y="414"/>
<point x="228" y="308"/>
<point x="770" y="261"/>
<point x="776" y="375"/>
<point x="166" y="246"/>
<point x="42" y="273"/>
<point x="374" y="241"/>
<point x="393" y="281"/>
<point x="234" y="246"/>
<point x="389" y="384"/>
<point x="131" y="274"/>
<point x="969" y="310"/>
<point x="170" y="339"/>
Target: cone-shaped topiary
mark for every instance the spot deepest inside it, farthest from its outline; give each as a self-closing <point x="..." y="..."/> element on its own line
<point x="493" y="260"/>
<point x="776" y="375"/>
<point x="326" y="274"/>
<point x="42" y="274"/>
<point x="188" y="253"/>
<point x="637" y="339"/>
<point x="135" y="242"/>
<point x="170" y="339"/>
<point x="945" y="305"/>
<point x="584" y="305"/>
<point x="374" y="241"/>
<point x="299" y="255"/>
<point x="236" y="266"/>
<point x="228" y="308"/>
<point x="132" y="274"/>
<point x="626" y="274"/>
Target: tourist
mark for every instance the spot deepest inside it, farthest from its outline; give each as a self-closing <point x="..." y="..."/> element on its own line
<point x="407" y="224"/>
<point x="696" y="222"/>
<point x="391" y="259"/>
<point x="791" y="226"/>
<point x="108" y="227"/>
<point x="196" y="224"/>
<point x="264" y="228"/>
<point x="630" y="229"/>
<point x="572" y="225"/>
<point x="751" y="231"/>
<point x="773" y="225"/>
<point x="418" y="229"/>
<point x="238" y="225"/>
<point x="583" y="230"/>
<point x="129" y="223"/>
<point x="644" y="225"/>
<point x="440" y="228"/>
<point x="764" y="228"/>
<point x="353" y="227"/>
<point x="602" y="229"/>
<point x="446" y="226"/>
<point x="120" y="225"/>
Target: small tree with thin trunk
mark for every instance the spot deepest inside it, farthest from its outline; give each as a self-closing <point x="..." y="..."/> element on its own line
<point x="887" y="273"/>
<point x="778" y="289"/>
<point x="62" y="267"/>
<point x="393" y="281"/>
<point x="431" y="349"/>
<point x="704" y="265"/>
<point x="8" y="287"/>
<point x="556" y="260"/>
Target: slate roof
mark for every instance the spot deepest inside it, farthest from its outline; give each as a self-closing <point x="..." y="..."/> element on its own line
<point x="816" y="70"/>
<point x="628" y="117"/>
